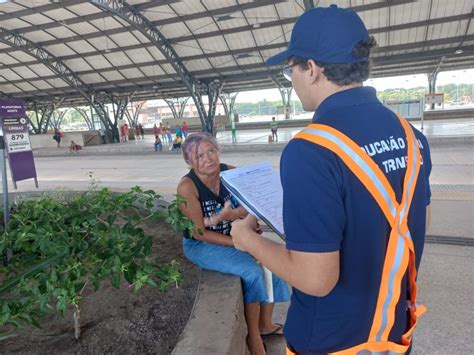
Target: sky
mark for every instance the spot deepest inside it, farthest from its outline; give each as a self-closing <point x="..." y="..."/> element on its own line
<point x="407" y="82"/>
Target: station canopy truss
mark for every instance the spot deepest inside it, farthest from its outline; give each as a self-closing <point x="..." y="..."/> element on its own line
<point x="74" y="49"/>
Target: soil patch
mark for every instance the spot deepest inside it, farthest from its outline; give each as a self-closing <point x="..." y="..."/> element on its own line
<point x="120" y="321"/>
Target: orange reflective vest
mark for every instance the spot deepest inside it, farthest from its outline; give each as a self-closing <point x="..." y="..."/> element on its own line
<point x="400" y="254"/>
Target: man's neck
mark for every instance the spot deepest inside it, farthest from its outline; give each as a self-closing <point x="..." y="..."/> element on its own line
<point x="332" y="89"/>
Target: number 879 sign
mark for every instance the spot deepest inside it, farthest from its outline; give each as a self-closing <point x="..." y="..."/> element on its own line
<point x="17" y="142"/>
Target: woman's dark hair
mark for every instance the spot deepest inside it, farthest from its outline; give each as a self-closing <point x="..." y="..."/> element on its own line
<point x="345" y="74"/>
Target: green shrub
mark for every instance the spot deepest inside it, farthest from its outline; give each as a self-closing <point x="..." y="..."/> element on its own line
<point x="61" y="246"/>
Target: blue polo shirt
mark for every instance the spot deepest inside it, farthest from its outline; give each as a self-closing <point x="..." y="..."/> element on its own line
<point x="326" y="208"/>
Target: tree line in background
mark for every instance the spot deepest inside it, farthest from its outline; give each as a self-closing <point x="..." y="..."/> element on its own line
<point x="452" y="92"/>
<point x="80" y="119"/>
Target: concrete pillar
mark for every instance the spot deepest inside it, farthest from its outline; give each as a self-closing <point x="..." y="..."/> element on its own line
<point x="286" y="98"/>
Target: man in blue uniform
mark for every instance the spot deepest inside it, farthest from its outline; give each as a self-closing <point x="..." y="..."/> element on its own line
<point x="353" y="179"/>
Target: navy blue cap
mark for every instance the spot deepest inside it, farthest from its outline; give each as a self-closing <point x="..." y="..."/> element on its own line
<point x="325" y="34"/>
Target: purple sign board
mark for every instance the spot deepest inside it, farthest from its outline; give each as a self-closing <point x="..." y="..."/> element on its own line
<point x="17" y="140"/>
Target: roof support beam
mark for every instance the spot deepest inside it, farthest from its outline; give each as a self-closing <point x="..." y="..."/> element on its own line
<point x="228" y="102"/>
<point x="308" y="4"/>
<point x="85" y="116"/>
<point x="196" y="88"/>
<point x="53" y="63"/>
<point x="236" y="52"/>
<point x="42" y="8"/>
<point x="146" y="5"/>
<point x="425" y="44"/>
<point x="285" y="93"/>
<point x="380" y="51"/>
<point x="177" y="106"/>
<point x="417" y="56"/>
<point x="291" y="20"/>
<point x="173" y="86"/>
<point x="379" y="69"/>
<point x="243" y="50"/>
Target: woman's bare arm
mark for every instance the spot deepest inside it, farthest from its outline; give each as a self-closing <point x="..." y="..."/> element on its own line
<point x="192" y="210"/>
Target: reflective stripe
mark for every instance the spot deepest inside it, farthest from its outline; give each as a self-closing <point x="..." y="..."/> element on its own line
<point x="391" y="298"/>
<point x="388" y="352"/>
<point x="408" y="190"/>
<point x="395" y="267"/>
<point x="410" y="184"/>
<point x="359" y="161"/>
<point x="372" y="348"/>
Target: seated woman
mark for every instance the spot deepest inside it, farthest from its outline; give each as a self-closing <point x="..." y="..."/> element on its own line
<point x="177" y="142"/>
<point x="158" y="144"/>
<point x="212" y="209"/>
<point x="74" y="148"/>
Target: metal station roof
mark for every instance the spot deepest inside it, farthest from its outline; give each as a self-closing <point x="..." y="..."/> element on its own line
<point x="49" y="49"/>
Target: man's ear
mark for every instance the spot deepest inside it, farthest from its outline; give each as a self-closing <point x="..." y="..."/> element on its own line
<point x="315" y="71"/>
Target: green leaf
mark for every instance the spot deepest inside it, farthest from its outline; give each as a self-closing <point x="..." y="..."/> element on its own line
<point x="15" y="323"/>
<point x="26" y="317"/>
<point x="151" y="282"/>
<point x="6" y="310"/>
<point x="111" y="219"/>
<point x="10" y="283"/>
<point x="130" y="272"/>
<point x="115" y="279"/>
<point x="96" y="284"/>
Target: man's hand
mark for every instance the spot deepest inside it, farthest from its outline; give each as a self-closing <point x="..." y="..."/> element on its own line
<point x="243" y="230"/>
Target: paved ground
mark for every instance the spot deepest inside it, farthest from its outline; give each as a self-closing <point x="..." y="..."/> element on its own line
<point x="446" y="276"/>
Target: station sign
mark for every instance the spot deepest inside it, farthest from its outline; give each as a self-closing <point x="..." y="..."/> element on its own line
<point x="17" y="140"/>
<point x="434" y="99"/>
<point x="15" y="132"/>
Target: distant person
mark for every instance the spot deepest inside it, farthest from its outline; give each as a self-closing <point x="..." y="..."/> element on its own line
<point x="155" y="130"/>
<point x="102" y="135"/>
<point x="178" y="131"/>
<point x="74" y="148"/>
<point x="184" y="128"/>
<point x="158" y="143"/>
<point x="162" y="131"/>
<point x="177" y="142"/>
<point x="137" y="132"/>
<point x="141" y="130"/>
<point x="169" y="137"/>
<point x="57" y="136"/>
<point x="274" y="129"/>
<point x="126" y="132"/>
<point x="122" y="133"/>
<point x="214" y="128"/>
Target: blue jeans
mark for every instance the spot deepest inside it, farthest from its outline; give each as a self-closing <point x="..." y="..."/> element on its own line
<point x="158" y="147"/>
<point x="235" y="262"/>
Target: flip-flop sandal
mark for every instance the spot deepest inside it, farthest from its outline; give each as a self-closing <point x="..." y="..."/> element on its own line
<point x="277" y="331"/>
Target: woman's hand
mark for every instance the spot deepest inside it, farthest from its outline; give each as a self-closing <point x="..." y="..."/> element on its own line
<point x="224" y="215"/>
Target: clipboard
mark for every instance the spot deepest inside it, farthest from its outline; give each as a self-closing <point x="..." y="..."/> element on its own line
<point x="258" y="189"/>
